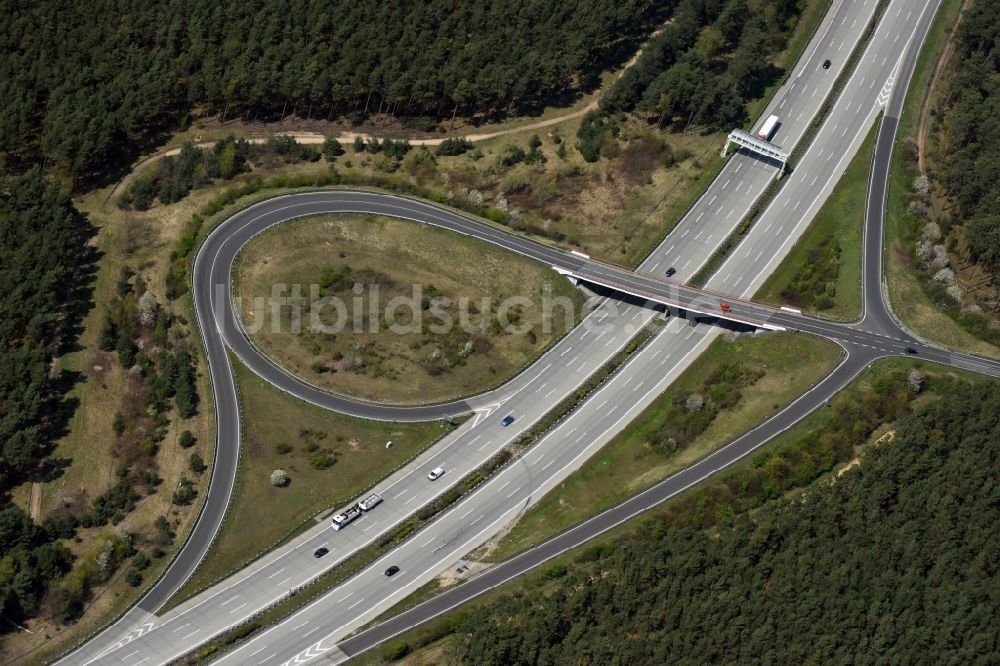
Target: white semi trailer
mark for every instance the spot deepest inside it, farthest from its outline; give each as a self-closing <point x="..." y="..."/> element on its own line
<point x="767" y="129"/>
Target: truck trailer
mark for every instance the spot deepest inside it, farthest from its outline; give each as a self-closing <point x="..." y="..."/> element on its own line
<point x="767" y="129"/>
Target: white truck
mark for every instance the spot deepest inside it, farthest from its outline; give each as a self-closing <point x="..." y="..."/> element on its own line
<point x="767" y="129"/>
<point x="342" y="519"/>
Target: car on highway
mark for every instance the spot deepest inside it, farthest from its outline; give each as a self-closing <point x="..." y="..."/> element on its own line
<point x="507" y="420"/>
<point x="911" y="350"/>
<point x="671" y="271"/>
<point x="392" y="571"/>
<point x="725" y="307"/>
<point x="826" y="64"/>
<point x="320" y="552"/>
<point x="436" y="473"/>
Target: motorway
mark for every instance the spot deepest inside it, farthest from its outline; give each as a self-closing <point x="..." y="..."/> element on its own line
<point x="530" y="395"/>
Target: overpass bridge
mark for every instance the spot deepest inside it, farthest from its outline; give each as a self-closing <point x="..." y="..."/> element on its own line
<point x="675" y="295"/>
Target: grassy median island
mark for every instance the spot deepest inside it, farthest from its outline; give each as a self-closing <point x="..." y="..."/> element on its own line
<point x="822" y="272"/>
<point x="329" y="458"/>
<point x="406" y="354"/>
<point x="730" y="388"/>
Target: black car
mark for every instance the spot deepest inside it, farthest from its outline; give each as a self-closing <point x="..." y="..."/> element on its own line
<point x="392" y="571"/>
<point x="320" y="552"/>
<point x="911" y="350"/>
<point x="671" y="271"/>
<point x="826" y="64"/>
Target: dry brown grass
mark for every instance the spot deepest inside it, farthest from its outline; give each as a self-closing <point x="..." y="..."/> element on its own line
<point x="384" y="365"/>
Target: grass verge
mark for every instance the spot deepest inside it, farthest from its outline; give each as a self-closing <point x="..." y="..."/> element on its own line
<point x="822" y="272"/>
<point x="639" y="457"/>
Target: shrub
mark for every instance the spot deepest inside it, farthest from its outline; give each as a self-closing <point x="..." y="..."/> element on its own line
<point x="118" y="424"/>
<point x="197" y="464"/>
<point x="397" y="651"/>
<point x="187" y="440"/>
<point x="332" y="149"/>
<point x="555" y="571"/>
<point x="321" y="460"/>
<point x="116" y="501"/>
<point x="279" y="478"/>
<point x="454" y="146"/>
<point x="133" y="578"/>
<point x="420" y="123"/>
<point x="140" y="561"/>
<point x="185" y="492"/>
<point x="164" y="535"/>
<point x="512" y="155"/>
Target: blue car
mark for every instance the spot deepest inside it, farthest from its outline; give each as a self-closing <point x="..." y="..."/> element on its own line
<point x="507" y="420"/>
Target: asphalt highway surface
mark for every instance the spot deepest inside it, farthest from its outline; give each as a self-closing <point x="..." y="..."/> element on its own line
<point x="144" y="637"/>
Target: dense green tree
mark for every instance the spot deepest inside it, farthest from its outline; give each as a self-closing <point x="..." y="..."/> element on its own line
<point x="40" y="239"/>
<point x="185" y="392"/>
<point x="705" y="64"/>
<point x="971" y="136"/>
<point x="29" y="561"/>
<point x="133" y="70"/>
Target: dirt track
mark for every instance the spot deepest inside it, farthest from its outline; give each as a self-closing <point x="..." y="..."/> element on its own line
<point x="925" y="109"/>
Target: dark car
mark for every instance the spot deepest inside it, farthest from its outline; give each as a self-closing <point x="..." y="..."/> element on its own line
<point x="320" y="552"/>
<point x="671" y="271"/>
<point x="392" y="571"/>
<point x="911" y="350"/>
<point x="507" y="420"/>
<point x="826" y="64"/>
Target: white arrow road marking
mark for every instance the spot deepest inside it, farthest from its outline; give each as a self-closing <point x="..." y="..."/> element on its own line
<point x="310" y="652"/>
<point x="883" y="96"/>
<point x="131" y="636"/>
